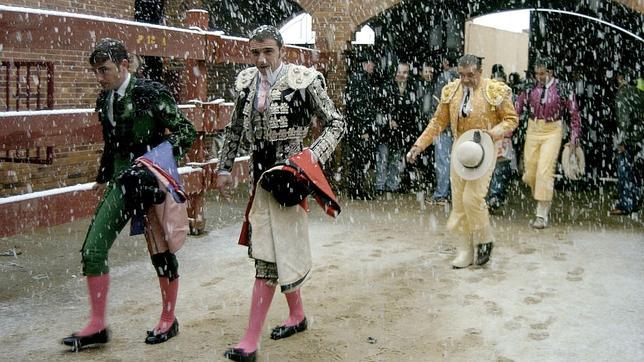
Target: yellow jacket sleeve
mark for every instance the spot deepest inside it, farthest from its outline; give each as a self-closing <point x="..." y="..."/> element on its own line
<point x="441" y="117"/>
<point x="436" y="125"/>
<point x="506" y="114"/>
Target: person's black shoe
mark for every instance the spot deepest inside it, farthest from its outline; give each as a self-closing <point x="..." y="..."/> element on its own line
<point x="238" y="354"/>
<point x="483" y="253"/>
<point x="154" y="338"/>
<point x="78" y="342"/>
<point x="617" y="211"/>
<point x="495" y="210"/>
<point x="280" y="332"/>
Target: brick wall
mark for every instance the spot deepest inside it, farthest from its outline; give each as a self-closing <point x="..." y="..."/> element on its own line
<point x="72" y="165"/>
<point x="334" y="23"/>
<point x="75" y="88"/>
<point x="120" y="9"/>
<point x="221" y="80"/>
<point x="75" y="85"/>
<point x="175" y="10"/>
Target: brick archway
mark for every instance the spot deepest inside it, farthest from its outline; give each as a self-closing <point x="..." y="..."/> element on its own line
<point x="335" y="21"/>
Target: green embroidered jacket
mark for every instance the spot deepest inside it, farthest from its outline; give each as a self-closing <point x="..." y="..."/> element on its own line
<point x="143" y="118"/>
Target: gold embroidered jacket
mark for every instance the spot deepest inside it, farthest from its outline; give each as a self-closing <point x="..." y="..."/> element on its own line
<point x="492" y="108"/>
<point x="298" y="94"/>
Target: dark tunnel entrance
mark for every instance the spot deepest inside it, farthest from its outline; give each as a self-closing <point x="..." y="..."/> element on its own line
<point x="587" y="53"/>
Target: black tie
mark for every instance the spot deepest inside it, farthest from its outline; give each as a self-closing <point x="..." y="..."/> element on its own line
<point x="543" y="95"/>
<point x="115" y="99"/>
<point x="465" y="101"/>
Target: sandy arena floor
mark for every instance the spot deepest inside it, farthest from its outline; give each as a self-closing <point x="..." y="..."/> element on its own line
<point x="382" y="289"/>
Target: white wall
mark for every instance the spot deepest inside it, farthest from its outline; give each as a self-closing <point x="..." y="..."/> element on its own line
<point x="498" y="46"/>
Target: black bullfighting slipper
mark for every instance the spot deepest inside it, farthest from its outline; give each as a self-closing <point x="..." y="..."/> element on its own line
<point x="483" y="253"/>
<point x="154" y="338"/>
<point x="238" y="354"/>
<point x="78" y="342"/>
<point x="280" y="332"/>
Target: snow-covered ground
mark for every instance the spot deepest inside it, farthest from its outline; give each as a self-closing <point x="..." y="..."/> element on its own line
<point x="382" y="289"/>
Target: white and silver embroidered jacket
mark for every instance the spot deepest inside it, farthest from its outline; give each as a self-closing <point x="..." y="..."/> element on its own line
<point x="297" y="95"/>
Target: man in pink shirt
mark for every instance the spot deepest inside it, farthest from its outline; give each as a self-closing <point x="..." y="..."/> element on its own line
<point x="545" y="104"/>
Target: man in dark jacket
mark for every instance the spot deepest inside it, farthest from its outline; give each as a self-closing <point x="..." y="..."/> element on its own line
<point x="362" y="110"/>
<point x="399" y="99"/>
<point x="443" y="143"/>
<point x="422" y="172"/>
<point x="629" y="141"/>
<point x="136" y="115"/>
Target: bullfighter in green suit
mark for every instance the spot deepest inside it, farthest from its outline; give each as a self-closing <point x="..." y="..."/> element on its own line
<point x="136" y="116"/>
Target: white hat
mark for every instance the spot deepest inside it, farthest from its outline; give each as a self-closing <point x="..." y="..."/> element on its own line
<point x="473" y="154"/>
<point x="573" y="163"/>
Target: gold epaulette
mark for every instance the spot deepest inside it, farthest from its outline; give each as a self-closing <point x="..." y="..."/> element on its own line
<point x="449" y="90"/>
<point x="244" y="78"/>
<point x="300" y="77"/>
<point x="496" y="91"/>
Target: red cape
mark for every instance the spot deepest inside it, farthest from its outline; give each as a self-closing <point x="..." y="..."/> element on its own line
<point x="306" y="168"/>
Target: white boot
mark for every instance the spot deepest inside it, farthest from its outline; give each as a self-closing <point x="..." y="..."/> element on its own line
<point x="543" y="209"/>
<point x="464" y="254"/>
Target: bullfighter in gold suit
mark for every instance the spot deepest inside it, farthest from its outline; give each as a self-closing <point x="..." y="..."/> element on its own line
<point x="470" y="103"/>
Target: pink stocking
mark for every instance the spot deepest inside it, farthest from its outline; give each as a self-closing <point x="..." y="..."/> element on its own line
<point x="295" y="308"/>
<point x="169" y="290"/>
<point x="97" y="287"/>
<point x="261" y="301"/>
